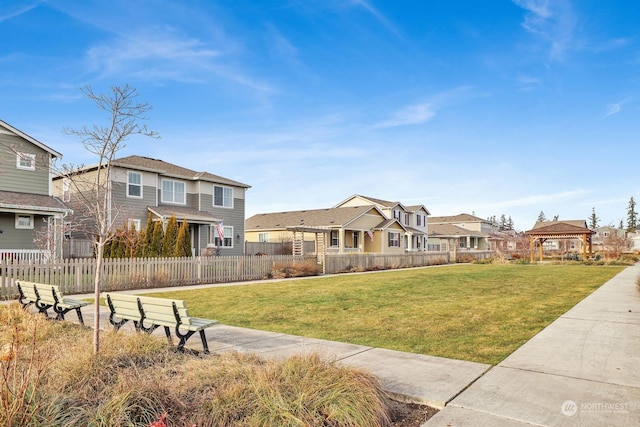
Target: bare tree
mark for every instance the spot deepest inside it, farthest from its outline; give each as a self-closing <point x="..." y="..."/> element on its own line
<point x="124" y="113"/>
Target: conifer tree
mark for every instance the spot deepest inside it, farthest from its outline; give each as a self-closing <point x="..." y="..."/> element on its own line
<point x="183" y="242"/>
<point x="509" y="223"/>
<point x="593" y="219"/>
<point x="155" y="249"/>
<point x="170" y="237"/>
<point x="541" y="217"/>
<point x="632" y="216"/>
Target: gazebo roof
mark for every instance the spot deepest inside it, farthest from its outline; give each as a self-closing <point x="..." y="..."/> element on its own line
<point x="560" y="228"/>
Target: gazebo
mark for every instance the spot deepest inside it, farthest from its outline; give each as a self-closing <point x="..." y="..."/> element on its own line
<point x="555" y="230"/>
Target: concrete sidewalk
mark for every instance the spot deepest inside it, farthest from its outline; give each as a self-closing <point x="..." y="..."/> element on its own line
<point x="582" y="370"/>
<point x="406" y="376"/>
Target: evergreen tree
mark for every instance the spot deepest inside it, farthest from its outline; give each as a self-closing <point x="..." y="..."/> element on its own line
<point x="541" y="217"/>
<point x="503" y="222"/>
<point x="621" y="226"/>
<point x="170" y="237"/>
<point x="593" y="219"/>
<point x="632" y="216"/>
<point x="509" y="223"/>
<point x="141" y="244"/>
<point x="155" y="250"/>
<point x="183" y="242"/>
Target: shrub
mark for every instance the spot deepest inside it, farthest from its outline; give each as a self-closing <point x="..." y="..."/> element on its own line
<point x="294" y="269"/>
<point x="137" y="379"/>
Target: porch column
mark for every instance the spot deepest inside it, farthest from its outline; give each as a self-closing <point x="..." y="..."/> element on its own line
<point x="341" y="237"/>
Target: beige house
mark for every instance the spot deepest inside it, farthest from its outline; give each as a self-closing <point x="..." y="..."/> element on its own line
<point x="464" y="230"/>
<point x="346" y="229"/>
<point x="414" y="219"/>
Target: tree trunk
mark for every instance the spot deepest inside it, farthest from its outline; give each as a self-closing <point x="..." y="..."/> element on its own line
<point x="97" y="283"/>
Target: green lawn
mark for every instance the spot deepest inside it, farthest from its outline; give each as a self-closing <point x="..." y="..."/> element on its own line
<point x="479" y="313"/>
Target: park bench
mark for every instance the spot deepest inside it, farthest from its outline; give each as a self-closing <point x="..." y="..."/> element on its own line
<point x="149" y="313"/>
<point x="44" y="297"/>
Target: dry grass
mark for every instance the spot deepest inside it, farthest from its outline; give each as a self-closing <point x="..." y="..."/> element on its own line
<point x="50" y="377"/>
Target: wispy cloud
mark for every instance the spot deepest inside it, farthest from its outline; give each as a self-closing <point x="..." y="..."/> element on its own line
<point x="537" y="199"/>
<point x="164" y="55"/>
<point x="410" y="115"/>
<point x="616" y="107"/>
<point x="527" y="83"/>
<point x="9" y="12"/>
<point x="423" y="112"/>
<point x="379" y="16"/>
<point x="552" y="21"/>
<point x="161" y="52"/>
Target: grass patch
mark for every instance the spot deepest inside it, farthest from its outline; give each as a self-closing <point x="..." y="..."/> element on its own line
<point x="479" y="313"/>
<point x="50" y="377"/>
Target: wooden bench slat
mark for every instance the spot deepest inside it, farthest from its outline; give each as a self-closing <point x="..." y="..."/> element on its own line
<point x="50" y="296"/>
<point x="157" y="312"/>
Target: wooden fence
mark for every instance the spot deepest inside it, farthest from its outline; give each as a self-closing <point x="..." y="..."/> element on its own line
<point x="76" y="276"/>
<point x="367" y="262"/>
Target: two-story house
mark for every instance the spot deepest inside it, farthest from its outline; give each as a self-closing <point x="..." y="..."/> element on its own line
<point x="412" y="218"/>
<point x="358" y="224"/>
<point x="467" y="232"/>
<point x="142" y="185"/>
<point x="31" y="219"/>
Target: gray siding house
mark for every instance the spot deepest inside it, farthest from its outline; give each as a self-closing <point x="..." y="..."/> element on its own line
<point x="31" y="219"/>
<point x="142" y="185"/>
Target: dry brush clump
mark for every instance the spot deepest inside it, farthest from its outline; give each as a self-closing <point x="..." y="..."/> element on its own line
<point x="51" y="377"/>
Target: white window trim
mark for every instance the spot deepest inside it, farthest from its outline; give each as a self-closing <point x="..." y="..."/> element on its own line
<point x="398" y="240"/>
<point x="224" y="187"/>
<point x="22" y="227"/>
<point x="162" y="192"/>
<point x="136" y="223"/>
<point x="25" y="156"/>
<point x="140" y="185"/>
<point x="263" y="237"/>
<point x="213" y="235"/>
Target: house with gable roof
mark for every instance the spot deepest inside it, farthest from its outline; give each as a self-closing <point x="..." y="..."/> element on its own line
<point x="468" y="232"/>
<point x="336" y="230"/>
<point x="414" y="219"/>
<point x="143" y="185"/>
<point x="31" y="218"/>
<point x="358" y="224"/>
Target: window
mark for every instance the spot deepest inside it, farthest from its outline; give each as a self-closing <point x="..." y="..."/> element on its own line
<point x="26" y="161"/>
<point x="222" y="196"/>
<point x="227" y="242"/>
<point x="24" y="221"/>
<point x="406" y="219"/>
<point x="394" y="239"/>
<point x="135" y="223"/>
<point x="263" y="237"/>
<point x="419" y="220"/>
<point x="334" y="238"/>
<point x="66" y="190"/>
<point x="173" y="191"/>
<point x="134" y="184"/>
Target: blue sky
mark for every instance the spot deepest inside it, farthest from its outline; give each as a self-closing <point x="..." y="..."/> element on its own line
<point x="484" y="107"/>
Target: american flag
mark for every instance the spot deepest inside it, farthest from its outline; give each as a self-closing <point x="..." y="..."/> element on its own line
<point x="220" y="231"/>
